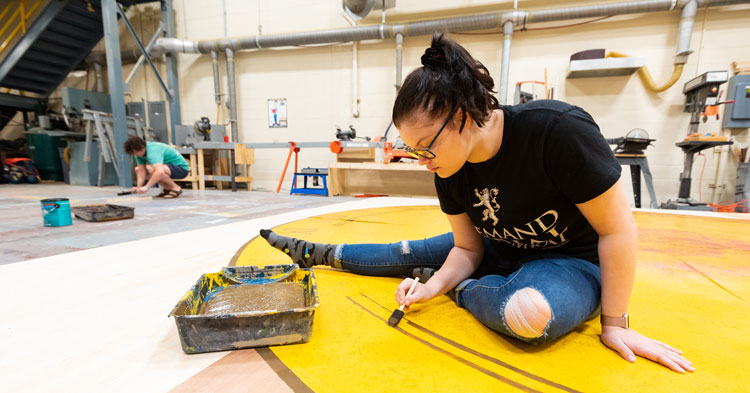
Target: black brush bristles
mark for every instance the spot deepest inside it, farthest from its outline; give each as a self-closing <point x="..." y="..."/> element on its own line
<point x="395" y="318"/>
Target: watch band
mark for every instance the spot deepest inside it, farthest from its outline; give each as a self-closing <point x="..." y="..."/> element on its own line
<point x="623" y="321"/>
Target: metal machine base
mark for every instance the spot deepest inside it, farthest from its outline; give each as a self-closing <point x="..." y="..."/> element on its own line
<point x="684" y="201"/>
<point x="686" y="204"/>
<point x="313" y="173"/>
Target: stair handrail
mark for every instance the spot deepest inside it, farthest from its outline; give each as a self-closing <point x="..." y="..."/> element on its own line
<point x="17" y="20"/>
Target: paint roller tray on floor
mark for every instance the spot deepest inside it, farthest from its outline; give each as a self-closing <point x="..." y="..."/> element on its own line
<point x="97" y="213"/>
<point x="247" y="306"/>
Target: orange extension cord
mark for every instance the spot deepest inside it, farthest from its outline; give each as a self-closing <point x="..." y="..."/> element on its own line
<point x="721" y="207"/>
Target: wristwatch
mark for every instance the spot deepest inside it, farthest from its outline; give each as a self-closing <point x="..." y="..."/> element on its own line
<point x="623" y="321"/>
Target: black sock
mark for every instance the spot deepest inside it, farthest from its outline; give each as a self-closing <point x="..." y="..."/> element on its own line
<point x="303" y="253"/>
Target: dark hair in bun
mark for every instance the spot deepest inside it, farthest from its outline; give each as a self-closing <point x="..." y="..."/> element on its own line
<point x="449" y="79"/>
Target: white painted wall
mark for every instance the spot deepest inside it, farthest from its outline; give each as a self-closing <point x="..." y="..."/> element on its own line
<point x="317" y="81"/>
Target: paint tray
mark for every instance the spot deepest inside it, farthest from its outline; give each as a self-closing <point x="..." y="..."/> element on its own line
<point x="97" y="213"/>
<point x="267" y="323"/>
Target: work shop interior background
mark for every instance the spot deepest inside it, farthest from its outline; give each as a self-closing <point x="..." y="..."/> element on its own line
<point x="304" y="92"/>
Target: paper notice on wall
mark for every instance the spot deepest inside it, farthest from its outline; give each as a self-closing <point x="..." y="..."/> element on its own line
<point x="277" y="113"/>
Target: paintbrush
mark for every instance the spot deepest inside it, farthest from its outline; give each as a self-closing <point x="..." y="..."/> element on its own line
<point x="121" y="193"/>
<point x="399" y="313"/>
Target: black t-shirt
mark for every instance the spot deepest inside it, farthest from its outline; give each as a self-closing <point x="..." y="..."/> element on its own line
<point x="552" y="157"/>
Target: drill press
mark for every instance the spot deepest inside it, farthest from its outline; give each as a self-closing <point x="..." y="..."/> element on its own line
<point x="700" y="92"/>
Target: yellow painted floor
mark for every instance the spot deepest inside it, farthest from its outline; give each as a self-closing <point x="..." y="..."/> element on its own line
<point x="691" y="291"/>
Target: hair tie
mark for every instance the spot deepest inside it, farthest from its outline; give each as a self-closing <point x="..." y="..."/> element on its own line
<point x="433" y="58"/>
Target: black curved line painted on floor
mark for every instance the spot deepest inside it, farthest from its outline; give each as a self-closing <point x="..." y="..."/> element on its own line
<point x="479" y="354"/>
<point x="475" y="366"/>
<point x="287" y="375"/>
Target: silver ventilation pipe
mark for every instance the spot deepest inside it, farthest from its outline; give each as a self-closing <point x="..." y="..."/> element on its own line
<point x="717" y="3"/>
<point x="98" y="59"/>
<point x="597" y="10"/>
<point x="352" y="18"/>
<point x="357" y="9"/>
<point x="99" y="73"/>
<point x="686" y="31"/>
<point x="505" y="68"/>
<point x="399" y="59"/>
<point x="232" y="104"/>
<point x="493" y="20"/>
<point x="217" y="81"/>
<point x="355" y="81"/>
<point x="170" y="44"/>
<point x="485" y="21"/>
<point x="232" y="95"/>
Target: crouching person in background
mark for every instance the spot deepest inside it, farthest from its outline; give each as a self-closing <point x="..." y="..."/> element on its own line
<point x="156" y="163"/>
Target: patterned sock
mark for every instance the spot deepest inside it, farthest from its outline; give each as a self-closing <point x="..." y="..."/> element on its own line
<point x="424" y="273"/>
<point x="452" y="295"/>
<point x="303" y="253"/>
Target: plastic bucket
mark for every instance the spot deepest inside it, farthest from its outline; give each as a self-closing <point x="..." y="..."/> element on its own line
<point x="56" y="212"/>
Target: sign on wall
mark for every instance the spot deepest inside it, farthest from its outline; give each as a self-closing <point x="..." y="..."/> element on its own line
<point x="277" y="113"/>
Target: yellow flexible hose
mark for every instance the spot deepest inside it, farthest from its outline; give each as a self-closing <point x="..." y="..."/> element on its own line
<point x="646" y="78"/>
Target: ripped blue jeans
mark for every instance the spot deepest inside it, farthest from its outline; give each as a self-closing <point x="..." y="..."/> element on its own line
<point x="571" y="286"/>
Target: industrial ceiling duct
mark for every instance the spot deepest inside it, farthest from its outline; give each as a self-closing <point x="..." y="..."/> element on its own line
<point x="492" y="20"/>
<point x="359" y="9"/>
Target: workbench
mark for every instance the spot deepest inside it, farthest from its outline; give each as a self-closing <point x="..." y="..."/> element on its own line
<point x="197" y="176"/>
<point x="243" y="154"/>
<point x="192" y="177"/>
<point x="402" y="179"/>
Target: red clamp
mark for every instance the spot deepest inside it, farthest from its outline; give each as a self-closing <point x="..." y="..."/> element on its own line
<point x="292" y="149"/>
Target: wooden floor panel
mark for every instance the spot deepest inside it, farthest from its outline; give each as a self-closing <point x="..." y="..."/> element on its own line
<point x="238" y="372"/>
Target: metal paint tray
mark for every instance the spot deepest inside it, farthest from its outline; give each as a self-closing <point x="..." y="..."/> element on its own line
<point x="209" y="333"/>
<point x="97" y="213"/>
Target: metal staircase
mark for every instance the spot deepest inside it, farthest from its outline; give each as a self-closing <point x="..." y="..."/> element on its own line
<point x="41" y="42"/>
<point x="60" y="37"/>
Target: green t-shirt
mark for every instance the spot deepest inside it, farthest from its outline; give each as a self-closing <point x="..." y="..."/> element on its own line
<point x="160" y="153"/>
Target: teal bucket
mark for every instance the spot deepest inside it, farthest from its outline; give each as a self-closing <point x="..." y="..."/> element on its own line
<point x="56" y="212"/>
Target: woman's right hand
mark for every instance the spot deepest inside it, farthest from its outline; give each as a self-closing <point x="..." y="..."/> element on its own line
<point x="421" y="294"/>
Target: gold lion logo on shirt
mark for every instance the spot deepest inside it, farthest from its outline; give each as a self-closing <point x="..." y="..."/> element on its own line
<point x="487" y="199"/>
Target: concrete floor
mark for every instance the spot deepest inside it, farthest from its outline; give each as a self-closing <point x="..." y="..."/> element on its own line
<point x="24" y="237"/>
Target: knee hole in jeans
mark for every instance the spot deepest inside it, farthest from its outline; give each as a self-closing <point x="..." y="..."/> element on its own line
<point x="527" y="313"/>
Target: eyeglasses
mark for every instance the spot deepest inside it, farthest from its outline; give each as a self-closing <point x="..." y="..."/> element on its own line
<point x="425" y="151"/>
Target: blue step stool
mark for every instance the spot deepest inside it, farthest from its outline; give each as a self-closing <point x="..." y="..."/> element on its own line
<point x="310" y="173"/>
